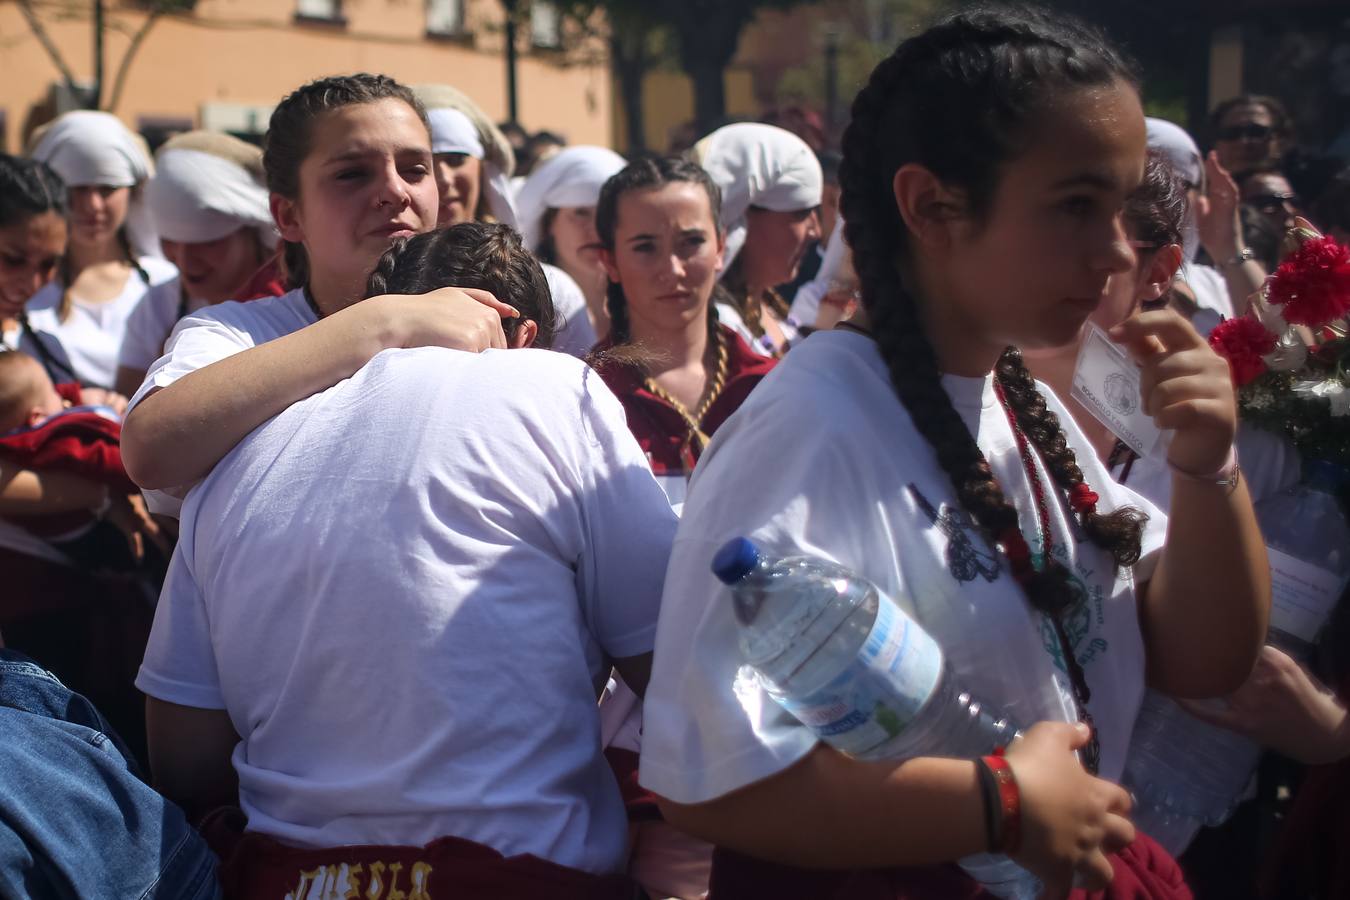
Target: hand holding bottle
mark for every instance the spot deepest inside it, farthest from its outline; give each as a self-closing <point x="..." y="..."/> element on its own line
<point x="1071" y="820"/>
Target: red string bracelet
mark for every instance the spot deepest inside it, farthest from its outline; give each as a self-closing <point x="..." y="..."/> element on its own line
<point x="1010" y="802"/>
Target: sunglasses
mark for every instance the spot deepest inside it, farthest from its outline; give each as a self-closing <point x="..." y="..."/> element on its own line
<point x="1250" y="132"/>
<point x="1273" y="202"/>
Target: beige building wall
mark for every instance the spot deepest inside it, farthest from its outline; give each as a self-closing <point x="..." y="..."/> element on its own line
<point x="230" y="58"/>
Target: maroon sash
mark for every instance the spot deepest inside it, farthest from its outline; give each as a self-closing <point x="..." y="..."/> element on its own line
<point x="1143" y="871"/>
<point x="255" y="867"/>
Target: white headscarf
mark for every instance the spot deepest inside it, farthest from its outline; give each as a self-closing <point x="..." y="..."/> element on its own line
<point x="1181" y="151"/>
<point x="197" y="195"/>
<point x="458" y="125"/>
<point x="758" y="165"/>
<point x="89" y="148"/>
<point x="571" y="177"/>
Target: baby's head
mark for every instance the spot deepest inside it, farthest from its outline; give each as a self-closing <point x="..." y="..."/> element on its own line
<point x="27" y="395"/>
<point x="473" y="255"/>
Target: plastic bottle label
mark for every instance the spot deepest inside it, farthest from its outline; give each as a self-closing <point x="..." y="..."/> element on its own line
<point x="1302" y="595"/>
<point x="881" y="691"/>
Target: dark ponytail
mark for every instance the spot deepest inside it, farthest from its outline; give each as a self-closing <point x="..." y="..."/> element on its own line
<point x="959" y="99"/>
<point x="287" y="142"/>
<point x="481" y="255"/>
<point x="29" y="188"/>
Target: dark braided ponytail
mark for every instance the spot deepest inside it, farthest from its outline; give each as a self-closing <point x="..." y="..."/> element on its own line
<point x="481" y="255"/>
<point x="958" y="99"/>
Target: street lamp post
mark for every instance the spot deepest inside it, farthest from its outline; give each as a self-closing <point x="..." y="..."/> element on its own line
<point x="510" y="6"/>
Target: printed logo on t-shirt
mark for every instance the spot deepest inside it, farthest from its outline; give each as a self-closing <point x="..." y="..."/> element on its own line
<point x="1083" y="617"/>
<point x="966" y="554"/>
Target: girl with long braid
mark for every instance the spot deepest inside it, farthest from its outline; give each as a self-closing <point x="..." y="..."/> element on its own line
<point x="679" y="375"/>
<point x="986" y="168"/>
<point x="113" y="260"/>
<point x="678" y="372"/>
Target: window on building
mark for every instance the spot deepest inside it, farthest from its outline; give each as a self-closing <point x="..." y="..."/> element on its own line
<point x="445" y="17"/>
<point x="545" y="25"/>
<point x="319" y="11"/>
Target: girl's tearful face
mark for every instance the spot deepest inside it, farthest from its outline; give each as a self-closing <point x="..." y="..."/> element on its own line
<point x="367" y="181"/>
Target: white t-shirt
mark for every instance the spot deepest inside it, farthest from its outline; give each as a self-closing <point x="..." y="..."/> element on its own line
<point x="208" y="336"/>
<point x="860" y="486"/>
<point x="1211" y="296"/>
<point x="574" y="335"/>
<point x="90" y="339"/>
<point x="729" y="316"/>
<point x="150" y="323"/>
<point x="400" y="590"/>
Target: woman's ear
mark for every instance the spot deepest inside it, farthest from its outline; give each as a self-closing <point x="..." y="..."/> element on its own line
<point x="526" y="331"/>
<point x="926" y="206"/>
<point x="285" y="212"/>
<point x="721" y="249"/>
<point x="607" y="261"/>
<point x="1161" y="270"/>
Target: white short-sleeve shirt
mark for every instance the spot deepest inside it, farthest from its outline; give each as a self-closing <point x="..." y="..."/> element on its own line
<point x="403" y="589"/>
<point x="860" y="486"/>
<point x="574" y="335"/>
<point x="90" y="338"/>
<point x="150" y="323"/>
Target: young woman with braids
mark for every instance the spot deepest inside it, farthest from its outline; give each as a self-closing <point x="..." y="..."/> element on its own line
<point x="679" y="375"/>
<point x="113" y="259"/>
<point x="771" y="184"/>
<point x="986" y="167"/>
<point x="348" y="165"/>
<point x="678" y="372"/>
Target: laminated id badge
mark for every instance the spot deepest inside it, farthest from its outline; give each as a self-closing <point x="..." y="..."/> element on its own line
<point x="1106" y="382"/>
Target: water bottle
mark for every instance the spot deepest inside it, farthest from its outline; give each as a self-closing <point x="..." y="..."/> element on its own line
<point x="1185" y="773"/>
<point x="851" y="665"/>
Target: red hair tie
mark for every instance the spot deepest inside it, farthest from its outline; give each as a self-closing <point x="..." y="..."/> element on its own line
<point x="1083" y="499"/>
<point x="1018" y="553"/>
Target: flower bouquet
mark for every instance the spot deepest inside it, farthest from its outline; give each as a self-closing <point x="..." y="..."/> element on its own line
<point x="1290" y="354"/>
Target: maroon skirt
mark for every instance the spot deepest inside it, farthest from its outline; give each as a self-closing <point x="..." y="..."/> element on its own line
<point x="1143" y="871"/>
<point x="256" y="867"/>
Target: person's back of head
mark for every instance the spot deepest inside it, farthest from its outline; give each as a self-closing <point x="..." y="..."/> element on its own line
<point x="479" y="255"/>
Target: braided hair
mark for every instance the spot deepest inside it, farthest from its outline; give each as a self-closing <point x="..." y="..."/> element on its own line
<point x="481" y="255"/>
<point x="646" y="174"/>
<point x="287" y="142"/>
<point x="958" y="99"/>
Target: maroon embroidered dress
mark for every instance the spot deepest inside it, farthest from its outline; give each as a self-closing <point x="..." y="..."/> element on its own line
<point x="659" y="428"/>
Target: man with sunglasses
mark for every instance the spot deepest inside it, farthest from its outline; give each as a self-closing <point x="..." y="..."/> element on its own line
<point x="1270" y="193"/>
<point x="1251" y="132"/>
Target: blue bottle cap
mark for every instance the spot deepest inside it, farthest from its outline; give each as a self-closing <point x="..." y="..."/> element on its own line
<point x="735" y="560"/>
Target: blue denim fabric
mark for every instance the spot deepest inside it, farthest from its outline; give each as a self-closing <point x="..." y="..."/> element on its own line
<point x="75" y="821"/>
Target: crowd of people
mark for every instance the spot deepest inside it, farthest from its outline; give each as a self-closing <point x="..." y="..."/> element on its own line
<point x="358" y="493"/>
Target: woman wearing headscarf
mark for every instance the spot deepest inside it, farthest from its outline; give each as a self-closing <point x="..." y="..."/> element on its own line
<point x="76" y="322"/>
<point x="771" y="184"/>
<point x="556" y="211"/>
<point x="209" y="201"/>
<point x="473" y="164"/>
<point x="1221" y="289"/>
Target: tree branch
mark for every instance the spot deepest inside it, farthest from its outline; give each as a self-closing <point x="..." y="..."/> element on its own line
<point x="122" y="67"/>
<point x="40" y="32"/>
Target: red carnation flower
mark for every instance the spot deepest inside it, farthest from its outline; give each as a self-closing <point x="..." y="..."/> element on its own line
<point x="1242" y="341"/>
<point x="1312" y="285"/>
